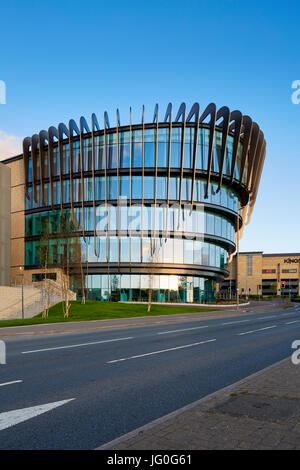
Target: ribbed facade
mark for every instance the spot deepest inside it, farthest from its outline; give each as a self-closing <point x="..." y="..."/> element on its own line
<point x="151" y="204"/>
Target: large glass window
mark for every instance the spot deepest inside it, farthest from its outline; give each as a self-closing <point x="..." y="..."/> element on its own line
<point x="111" y="151"/>
<point x="161" y="189"/>
<point x="113" y="249"/>
<point x="124" y="186"/>
<point x="135" y="249"/>
<point x="176" y="147"/>
<point x="137" y="149"/>
<point x="124" y="150"/>
<point x="136" y="188"/>
<point x="124" y="249"/>
<point x="148" y="187"/>
<point x="112" y="187"/>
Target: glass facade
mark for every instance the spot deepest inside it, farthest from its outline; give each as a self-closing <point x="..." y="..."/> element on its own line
<point x="137" y="220"/>
<point x="132" y="250"/>
<point x="134" y="287"/>
<point x="125" y="211"/>
<point x="136" y="188"/>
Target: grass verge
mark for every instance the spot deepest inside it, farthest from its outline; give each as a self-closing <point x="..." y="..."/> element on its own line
<point x="93" y="310"/>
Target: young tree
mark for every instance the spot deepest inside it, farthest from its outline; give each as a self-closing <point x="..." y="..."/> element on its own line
<point x="155" y="246"/>
<point x="43" y="251"/>
<point x="71" y="256"/>
<point x="65" y="234"/>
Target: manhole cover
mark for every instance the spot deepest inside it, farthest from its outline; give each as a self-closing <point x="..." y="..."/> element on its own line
<point x="262" y="408"/>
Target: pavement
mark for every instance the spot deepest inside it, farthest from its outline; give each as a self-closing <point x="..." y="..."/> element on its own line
<point x="84" y="389"/>
<point x="261" y="412"/>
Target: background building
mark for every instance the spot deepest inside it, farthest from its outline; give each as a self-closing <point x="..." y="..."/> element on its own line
<point x="5" y="209"/>
<point x="263" y="274"/>
<point x="127" y="208"/>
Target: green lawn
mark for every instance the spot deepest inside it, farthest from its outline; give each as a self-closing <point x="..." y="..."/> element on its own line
<point x="93" y="310"/>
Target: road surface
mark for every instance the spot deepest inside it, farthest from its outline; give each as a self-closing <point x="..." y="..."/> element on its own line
<point x="81" y="390"/>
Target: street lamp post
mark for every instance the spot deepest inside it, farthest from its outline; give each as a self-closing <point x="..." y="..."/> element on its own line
<point x="237" y="256"/>
<point x="22" y="278"/>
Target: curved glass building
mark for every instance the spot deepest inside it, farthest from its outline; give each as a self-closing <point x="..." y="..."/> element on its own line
<point x="150" y="205"/>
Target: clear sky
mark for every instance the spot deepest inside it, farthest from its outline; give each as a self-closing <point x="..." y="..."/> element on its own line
<point x="63" y="59"/>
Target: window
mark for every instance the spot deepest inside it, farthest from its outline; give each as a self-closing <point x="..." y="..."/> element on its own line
<point x="188" y="251"/>
<point x="124" y="186"/>
<point x="148" y="187"/>
<point x="161" y="189"/>
<point x="124" y="150"/>
<point x="124" y="249"/>
<point x="249" y="265"/>
<point x="136" y="188"/>
<point x="137" y="149"/>
<point x="135" y="250"/>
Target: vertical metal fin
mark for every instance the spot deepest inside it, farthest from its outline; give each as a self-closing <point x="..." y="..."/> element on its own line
<point x="168" y="117"/>
<point x="62" y="130"/>
<point x="252" y="152"/>
<point x="106" y="125"/>
<point x="194" y="112"/>
<point x="43" y="138"/>
<point x="95" y="127"/>
<point x="237" y="118"/>
<point x="26" y="156"/>
<point x="181" y="115"/>
<point x="118" y="182"/>
<point x="224" y="114"/>
<point x="83" y="127"/>
<point x="34" y="157"/>
<point x="73" y="129"/>
<point x="52" y="133"/>
<point x="247" y="131"/>
<point x="212" y="111"/>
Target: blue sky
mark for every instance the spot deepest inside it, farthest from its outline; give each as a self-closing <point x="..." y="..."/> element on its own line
<point x="61" y="60"/>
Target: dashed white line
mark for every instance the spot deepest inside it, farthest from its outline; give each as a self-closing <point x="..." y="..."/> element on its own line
<point x="77" y="345"/>
<point x="9" y="383"/>
<point x="233" y="322"/>
<point x="161" y="351"/>
<point x="264" y="318"/>
<point x="254" y="331"/>
<point x="184" y="329"/>
<point x="290" y="322"/>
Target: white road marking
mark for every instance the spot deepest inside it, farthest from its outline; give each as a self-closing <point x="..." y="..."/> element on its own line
<point x="233" y="322"/>
<point x="254" y="331"/>
<point x="185" y="329"/>
<point x="162" y="351"/>
<point x="263" y="318"/>
<point x="77" y="345"/>
<point x="9" y="383"/>
<point x="11" y="418"/>
<point x="290" y="322"/>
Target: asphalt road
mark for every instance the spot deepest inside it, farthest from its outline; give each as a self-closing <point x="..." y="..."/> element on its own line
<point x="81" y="390"/>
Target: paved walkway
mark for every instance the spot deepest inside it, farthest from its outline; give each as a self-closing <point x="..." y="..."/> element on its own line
<point x="259" y="412"/>
<point x="94" y="325"/>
